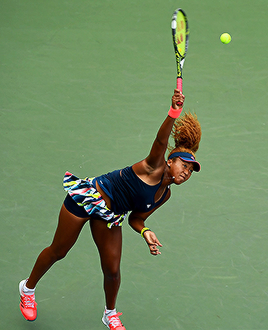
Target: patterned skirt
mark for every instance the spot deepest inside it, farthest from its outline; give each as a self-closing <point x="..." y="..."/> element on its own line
<point x="85" y="194"/>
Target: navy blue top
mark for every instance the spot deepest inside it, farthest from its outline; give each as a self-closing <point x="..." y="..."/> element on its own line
<point x="128" y="192"/>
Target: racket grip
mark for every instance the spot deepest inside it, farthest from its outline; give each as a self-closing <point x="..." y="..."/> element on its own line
<point x="179" y="84"/>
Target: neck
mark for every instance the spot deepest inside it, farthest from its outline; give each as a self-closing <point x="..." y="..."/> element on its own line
<point x="168" y="178"/>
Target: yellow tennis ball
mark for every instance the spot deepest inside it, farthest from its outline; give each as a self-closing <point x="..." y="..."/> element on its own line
<point x="225" y="38"/>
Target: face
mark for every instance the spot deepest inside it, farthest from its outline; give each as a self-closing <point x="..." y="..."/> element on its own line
<point x="180" y="169"/>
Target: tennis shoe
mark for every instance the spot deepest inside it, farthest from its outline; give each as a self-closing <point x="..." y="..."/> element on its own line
<point x="27" y="304"/>
<point x="113" y="322"/>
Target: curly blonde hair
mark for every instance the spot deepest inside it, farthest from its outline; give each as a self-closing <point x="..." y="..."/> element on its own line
<point x="186" y="133"/>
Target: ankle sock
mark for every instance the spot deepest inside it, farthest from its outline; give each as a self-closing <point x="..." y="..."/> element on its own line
<point x="110" y="312"/>
<point x="26" y="290"/>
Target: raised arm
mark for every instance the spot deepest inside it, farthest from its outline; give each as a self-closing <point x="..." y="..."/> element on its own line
<point x="156" y="158"/>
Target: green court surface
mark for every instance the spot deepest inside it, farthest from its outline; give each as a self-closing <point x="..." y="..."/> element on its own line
<point x="84" y="86"/>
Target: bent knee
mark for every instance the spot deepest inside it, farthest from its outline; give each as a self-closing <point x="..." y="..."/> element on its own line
<point x="57" y="254"/>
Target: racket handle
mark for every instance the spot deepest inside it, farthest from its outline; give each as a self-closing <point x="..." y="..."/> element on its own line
<point x="179" y="84"/>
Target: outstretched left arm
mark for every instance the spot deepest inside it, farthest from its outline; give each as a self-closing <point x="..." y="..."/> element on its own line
<point x="137" y="221"/>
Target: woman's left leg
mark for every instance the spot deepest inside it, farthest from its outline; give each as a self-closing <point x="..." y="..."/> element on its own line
<point x="109" y="244"/>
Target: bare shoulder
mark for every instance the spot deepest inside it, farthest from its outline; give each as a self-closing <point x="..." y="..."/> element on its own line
<point x="142" y="167"/>
<point x="147" y="173"/>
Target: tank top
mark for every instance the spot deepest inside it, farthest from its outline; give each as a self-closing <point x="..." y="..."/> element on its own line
<point x="128" y="192"/>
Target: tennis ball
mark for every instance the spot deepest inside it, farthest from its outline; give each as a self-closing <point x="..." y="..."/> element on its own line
<point x="225" y="38"/>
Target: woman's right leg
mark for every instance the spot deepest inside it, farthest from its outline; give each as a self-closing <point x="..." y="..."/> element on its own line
<point x="68" y="230"/>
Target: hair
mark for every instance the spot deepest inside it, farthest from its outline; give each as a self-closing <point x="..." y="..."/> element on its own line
<point x="186" y="133"/>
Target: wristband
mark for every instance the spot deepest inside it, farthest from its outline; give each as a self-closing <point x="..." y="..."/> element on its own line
<point x="174" y="113"/>
<point x="144" y="229"/>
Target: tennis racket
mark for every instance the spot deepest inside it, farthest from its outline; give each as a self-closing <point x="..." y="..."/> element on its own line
<point x="180" y="34"/>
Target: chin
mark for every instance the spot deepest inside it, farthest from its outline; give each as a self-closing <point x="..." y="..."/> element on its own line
<point x="178" y="182"/>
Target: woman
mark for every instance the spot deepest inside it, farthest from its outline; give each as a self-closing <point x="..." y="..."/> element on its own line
<point x="105" y="201"/>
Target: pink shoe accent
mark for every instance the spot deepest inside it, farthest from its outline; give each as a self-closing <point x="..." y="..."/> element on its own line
<point x="27" y="304"/>
<point x="115" y="323"/>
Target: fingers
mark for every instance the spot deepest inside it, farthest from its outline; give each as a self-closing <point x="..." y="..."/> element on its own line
<point x="152" y="242"/>
<point x="157" y="242"/>
<point x="154" y="250"/>
<point x="151" y="238"/>
<point x="177" y="92"/>
<point x="177" y="99"/>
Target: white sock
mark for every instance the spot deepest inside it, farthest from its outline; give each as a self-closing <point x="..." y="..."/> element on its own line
<point x="110" y="312"/>
<point x="26" y="290"/>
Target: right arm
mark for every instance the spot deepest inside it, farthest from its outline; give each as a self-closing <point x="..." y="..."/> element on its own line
<point x="160" y="144"/>
<point x="156" y="158"/>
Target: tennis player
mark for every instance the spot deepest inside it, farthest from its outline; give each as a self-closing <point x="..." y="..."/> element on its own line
<point x="106" y="200"/>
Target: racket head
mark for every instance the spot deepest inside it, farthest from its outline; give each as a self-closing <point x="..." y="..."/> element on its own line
<point x="180" y="35"/>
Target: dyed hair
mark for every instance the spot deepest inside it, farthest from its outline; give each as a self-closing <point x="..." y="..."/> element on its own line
<point x="186" y="133"/>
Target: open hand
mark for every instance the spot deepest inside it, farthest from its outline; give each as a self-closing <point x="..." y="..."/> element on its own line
<point x="152" y="242"/>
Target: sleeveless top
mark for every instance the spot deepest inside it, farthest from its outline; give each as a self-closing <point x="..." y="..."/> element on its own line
<point x="128" y="192"/>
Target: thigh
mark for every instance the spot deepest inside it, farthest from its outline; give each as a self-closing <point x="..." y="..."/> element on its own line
<point x="109" y="244"/>
<point x="67" y="232"/>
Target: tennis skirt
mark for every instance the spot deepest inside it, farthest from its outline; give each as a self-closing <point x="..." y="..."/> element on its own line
<point x="85" y="195"/>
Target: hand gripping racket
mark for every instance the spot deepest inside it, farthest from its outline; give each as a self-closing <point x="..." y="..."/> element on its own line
<point x="180" y="34"/>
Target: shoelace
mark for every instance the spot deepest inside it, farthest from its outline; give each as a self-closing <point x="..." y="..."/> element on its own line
<point x="28" y="301"/>
<point x="114" y="320"/>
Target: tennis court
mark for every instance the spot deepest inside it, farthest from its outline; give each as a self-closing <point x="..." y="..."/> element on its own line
<point x="84" y="87"/>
